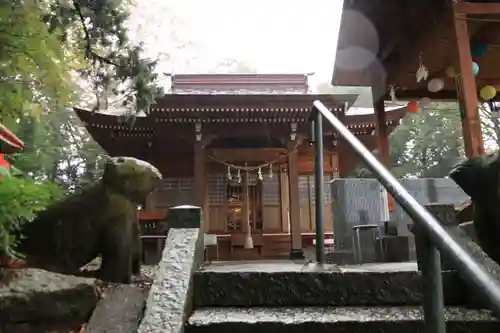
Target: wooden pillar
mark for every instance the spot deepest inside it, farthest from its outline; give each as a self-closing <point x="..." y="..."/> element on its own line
<point x="285" y="201"/>
<point x="466" y="86"/>
<point x="293" y="190"/>
<point x="382" y="134"/>
<point x="342" y="158"/>
<point x="200" y="181"/>
<point x="246" y="204"/>
<point x="335" y="165"/>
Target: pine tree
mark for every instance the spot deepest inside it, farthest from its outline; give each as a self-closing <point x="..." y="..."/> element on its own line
<point x="43" y="41"/>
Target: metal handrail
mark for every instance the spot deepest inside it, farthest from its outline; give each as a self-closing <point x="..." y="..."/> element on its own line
<point x="438" y="238"/>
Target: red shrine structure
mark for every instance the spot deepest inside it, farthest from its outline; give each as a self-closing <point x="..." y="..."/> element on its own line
<point x="432" y="49"/>
<point x="237" y="145"/>
<point x="9" y="143"/>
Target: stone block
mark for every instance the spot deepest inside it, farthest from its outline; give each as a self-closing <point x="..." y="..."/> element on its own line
<point x="341" y="257"/>
<point x="444" y="213"/>
<point x="38" y="296"/>
<point x="120" y="311"/>
<point x="473" y="297"/>
<point x="185" y="216"/>
<point x="468" y="228"/>
<point x="390" y="228"/>
<point x="395" y="248"/>
<point x="465" y="212"/>
<point x="358" y="287"/>
<point x="473" y="248"/>
<point x="170" y="296"/>
<point x="366" y="249"/>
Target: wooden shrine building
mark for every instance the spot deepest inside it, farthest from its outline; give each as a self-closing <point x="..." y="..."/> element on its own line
<point x="237" y="145"/>
<point x="432" y="49"/>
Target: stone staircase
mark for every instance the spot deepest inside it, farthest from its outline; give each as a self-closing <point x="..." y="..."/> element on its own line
<point x="190" y="297"/>
<point x="288" y="297"/>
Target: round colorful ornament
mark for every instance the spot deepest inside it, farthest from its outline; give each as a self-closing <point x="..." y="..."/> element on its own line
<point x="488" y="93"/>
<point x="412" y="107"/>
<point x="478" y="48"/>
<point x="435" y="85"/>
<point x="425" y="102"/>
<point x="450" y="72"/>
<point x="475" y="68"/>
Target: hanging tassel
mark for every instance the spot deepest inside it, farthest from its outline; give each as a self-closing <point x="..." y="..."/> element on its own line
<point x="238" y="176"/>
<point x="229" y="176"/>
<point x="270" y="171"/>
<point x="259" y="174"/>
<point x="422" y="71"/>
<point x="392" y="93"/>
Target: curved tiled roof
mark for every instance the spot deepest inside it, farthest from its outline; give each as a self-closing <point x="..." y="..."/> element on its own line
<point x="9" y="142"/>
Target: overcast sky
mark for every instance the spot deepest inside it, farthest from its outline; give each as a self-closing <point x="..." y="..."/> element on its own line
<point x="273" y="36"/>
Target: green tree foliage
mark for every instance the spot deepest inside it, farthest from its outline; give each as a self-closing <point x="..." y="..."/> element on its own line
<point x="57" y="149"/>
<point x="42" y="42"/>
<point x="59" y="157"/>
<point x="33" y="68"/>
<point x="427" y="143"/>
<point x="98" y="29"/>
<point x="47" y="49"/>
<point x="20" y="200"/>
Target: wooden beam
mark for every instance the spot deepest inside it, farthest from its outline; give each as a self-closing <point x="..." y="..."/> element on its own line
<point x="466" y="83"/>
<point x="425" y="45"/>
<point x="424" y="10"/>
<point x="417" y="94"/>
<point x="151" y="215"/>
<point x="258" y="155"/>
<point x="469" y="8"/>
<point x="412" y="47"/>
<point x="293" y="190"/>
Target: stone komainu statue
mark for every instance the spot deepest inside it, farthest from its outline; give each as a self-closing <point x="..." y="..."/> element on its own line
<point x="99" y="220"/>
<point x="479" y="178"/>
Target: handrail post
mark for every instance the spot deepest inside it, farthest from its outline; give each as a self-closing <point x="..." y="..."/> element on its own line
<point x="319" y="186"/>
<point x="468" y="266"/>
<point x="433" y="306"/>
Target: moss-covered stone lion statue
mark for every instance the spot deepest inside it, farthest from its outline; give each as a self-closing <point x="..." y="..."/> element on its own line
<point x="99" y="220"/>
<point x="479" y="178"/>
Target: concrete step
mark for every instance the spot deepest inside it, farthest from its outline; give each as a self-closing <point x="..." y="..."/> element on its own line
<point x="317" y="287"/>
<point x="333" y="319"/>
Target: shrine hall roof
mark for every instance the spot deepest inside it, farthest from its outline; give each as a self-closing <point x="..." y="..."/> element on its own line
<point x="227" y="105"/>
<point x="239" y="84"/>
<point x="9" y="142"/>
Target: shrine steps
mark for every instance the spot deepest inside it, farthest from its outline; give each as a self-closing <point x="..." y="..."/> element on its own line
<point x="306" y="298"/>
<point x="332" y="319"/>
